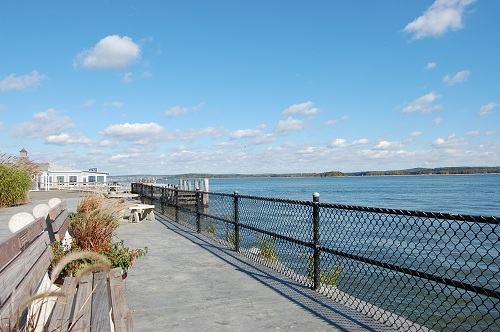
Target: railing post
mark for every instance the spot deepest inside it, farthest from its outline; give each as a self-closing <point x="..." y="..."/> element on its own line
<point x="236" y="223"/>
<point x="176" y="200"/>
<point x="163" y="200"/>
<point x="198" y="219"/>
<point x="316" y="241"/>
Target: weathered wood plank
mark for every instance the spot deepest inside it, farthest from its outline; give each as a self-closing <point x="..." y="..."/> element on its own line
<point x="61" y="315"/>
<point x="32" y="274"/>
<point x="12" y="276"/>
<point x="13" y="245"/>
<point x="100" y="303"/>
<point x="82" y="312"/>
<point x="121" y="312"/>
<point x="56" y="210"/>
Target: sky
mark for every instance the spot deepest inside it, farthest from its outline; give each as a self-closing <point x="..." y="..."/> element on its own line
<point x="251" y="87"/>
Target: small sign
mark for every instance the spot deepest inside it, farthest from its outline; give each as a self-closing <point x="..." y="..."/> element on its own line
<point x="93" y="169"/>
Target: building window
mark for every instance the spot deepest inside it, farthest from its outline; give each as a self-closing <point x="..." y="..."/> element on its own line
<point x="73" y="179"/>
<point x="100" y="178"/>
<point x="91" y="178"/>
<point x="60" y="179"/>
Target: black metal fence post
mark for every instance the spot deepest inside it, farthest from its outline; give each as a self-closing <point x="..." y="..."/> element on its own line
<point x="163" y="200"/>
<point x="198" y="219"/>
<point x="236" y="224"/>
<point x="176" y="200"/>
<point x="316" y="240"/>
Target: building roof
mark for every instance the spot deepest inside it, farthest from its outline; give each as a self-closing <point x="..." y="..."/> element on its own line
<point x="50" y="167"/>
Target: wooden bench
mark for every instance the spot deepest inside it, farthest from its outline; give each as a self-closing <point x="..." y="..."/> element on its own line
<point x="141" y="211"/>
<point x="97" y="303"/>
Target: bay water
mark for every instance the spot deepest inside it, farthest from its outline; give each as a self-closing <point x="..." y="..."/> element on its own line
<point x="458" y="194"/>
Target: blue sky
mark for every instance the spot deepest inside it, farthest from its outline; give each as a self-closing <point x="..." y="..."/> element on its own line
<point x="262" y="86"/>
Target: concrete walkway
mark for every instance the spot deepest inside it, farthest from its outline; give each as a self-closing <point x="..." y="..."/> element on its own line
<point x="188" y="283"/>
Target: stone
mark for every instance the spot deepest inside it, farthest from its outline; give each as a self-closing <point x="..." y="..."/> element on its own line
<point x="20" y="220"/>
<point x="41" y="211"/>
<point x="53" y="202"/>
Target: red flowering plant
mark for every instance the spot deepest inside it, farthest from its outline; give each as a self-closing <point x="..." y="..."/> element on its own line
<point x="92" y="228"/>
<point x="117" y="253"/>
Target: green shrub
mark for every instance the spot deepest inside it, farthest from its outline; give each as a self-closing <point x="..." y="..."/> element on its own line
<point x="267" y="246"/>
<point x="327" y="277"/>
<point x="14" y="185"/>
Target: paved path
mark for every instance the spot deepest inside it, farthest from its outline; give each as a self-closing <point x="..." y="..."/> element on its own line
<point x="71" y="198"/>
<point x="188" y="283"/>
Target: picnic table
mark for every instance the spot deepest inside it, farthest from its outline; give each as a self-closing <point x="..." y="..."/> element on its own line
<point x="141" y="211"/>
<point x="122" y="195"/>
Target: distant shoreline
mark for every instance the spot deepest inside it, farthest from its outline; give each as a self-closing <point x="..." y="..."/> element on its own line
<point x="405" y="172"/>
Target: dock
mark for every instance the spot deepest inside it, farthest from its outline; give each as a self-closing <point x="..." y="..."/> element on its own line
<point x="188" y="283"/>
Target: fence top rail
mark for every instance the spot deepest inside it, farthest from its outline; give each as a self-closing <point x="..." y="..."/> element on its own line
<point x="423" y="214"/>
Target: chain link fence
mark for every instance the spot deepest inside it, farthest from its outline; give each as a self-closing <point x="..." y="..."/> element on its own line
<point x="415" y="271"/>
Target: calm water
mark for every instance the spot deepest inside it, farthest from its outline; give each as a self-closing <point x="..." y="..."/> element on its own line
<point x="464" y="194"/>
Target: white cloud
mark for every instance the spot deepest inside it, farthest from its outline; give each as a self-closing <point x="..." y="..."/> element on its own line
<point x="105" y="143"/>
<point x="115" y="104"/>
<point x="50" y="122"/>
<point x="486" y="109"/>
<point x="342" y="143"/>
<point x="474" y="133"/>
<point x="416" y="134"/>
<point x="387" y="145"/>
<point x="431" y="65"/>
<point x="110" y="52"/>
<point x="177" y="110"/>
<point x="304" y="109"/>
<point x="338" y="143"/>
<point x="127" y="77"/>
<point x="290" y="124"/>
<point x="264" y="139"/>
<point x="424" y="104"/>
<point x="193" y="134"/>
<point x="65" y="139"/>
<point x="359" y="142"/>
<point x="335" y="121"/>
<point x="449" y="142"/>
<point x="441" y="17"/>
<point x="243" y="133"/>
<point x="437" y="121"/>
<point x="89" y="103"/>
<point x="13" y="82"/>
<point x="460" y="77"/>
<point x="136" y="132"/>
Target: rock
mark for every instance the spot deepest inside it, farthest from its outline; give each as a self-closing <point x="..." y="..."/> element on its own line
<point x="53" y="202"/>
<point x="20" y="220"/>
<point x="41" y="210"/>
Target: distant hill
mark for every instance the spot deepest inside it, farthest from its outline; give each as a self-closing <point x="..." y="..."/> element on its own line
<point x="423" y="171"/>
<point x="411" y="171"/>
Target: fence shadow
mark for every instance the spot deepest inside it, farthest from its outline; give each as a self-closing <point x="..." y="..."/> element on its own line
<point x="335" y="314"/>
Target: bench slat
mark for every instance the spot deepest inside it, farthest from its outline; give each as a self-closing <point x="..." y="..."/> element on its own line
<point x="56" y="210"/>
<point x="23" y="276"/>
<point x="121" y="312"/>
<point x="61" y="315"/>
<point x="82" y="312"/>
<point x="100" y="303"/>
<point x="13" y="245"/>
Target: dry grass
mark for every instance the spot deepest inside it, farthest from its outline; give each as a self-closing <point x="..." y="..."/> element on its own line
<point x="96" y="219"/>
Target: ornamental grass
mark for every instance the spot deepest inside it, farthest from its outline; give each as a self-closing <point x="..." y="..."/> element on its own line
<point x="92" y="230"/>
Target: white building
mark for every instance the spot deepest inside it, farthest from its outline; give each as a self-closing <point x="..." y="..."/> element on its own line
<point x="57" y="176"/>
<point x="54" y="176"/>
